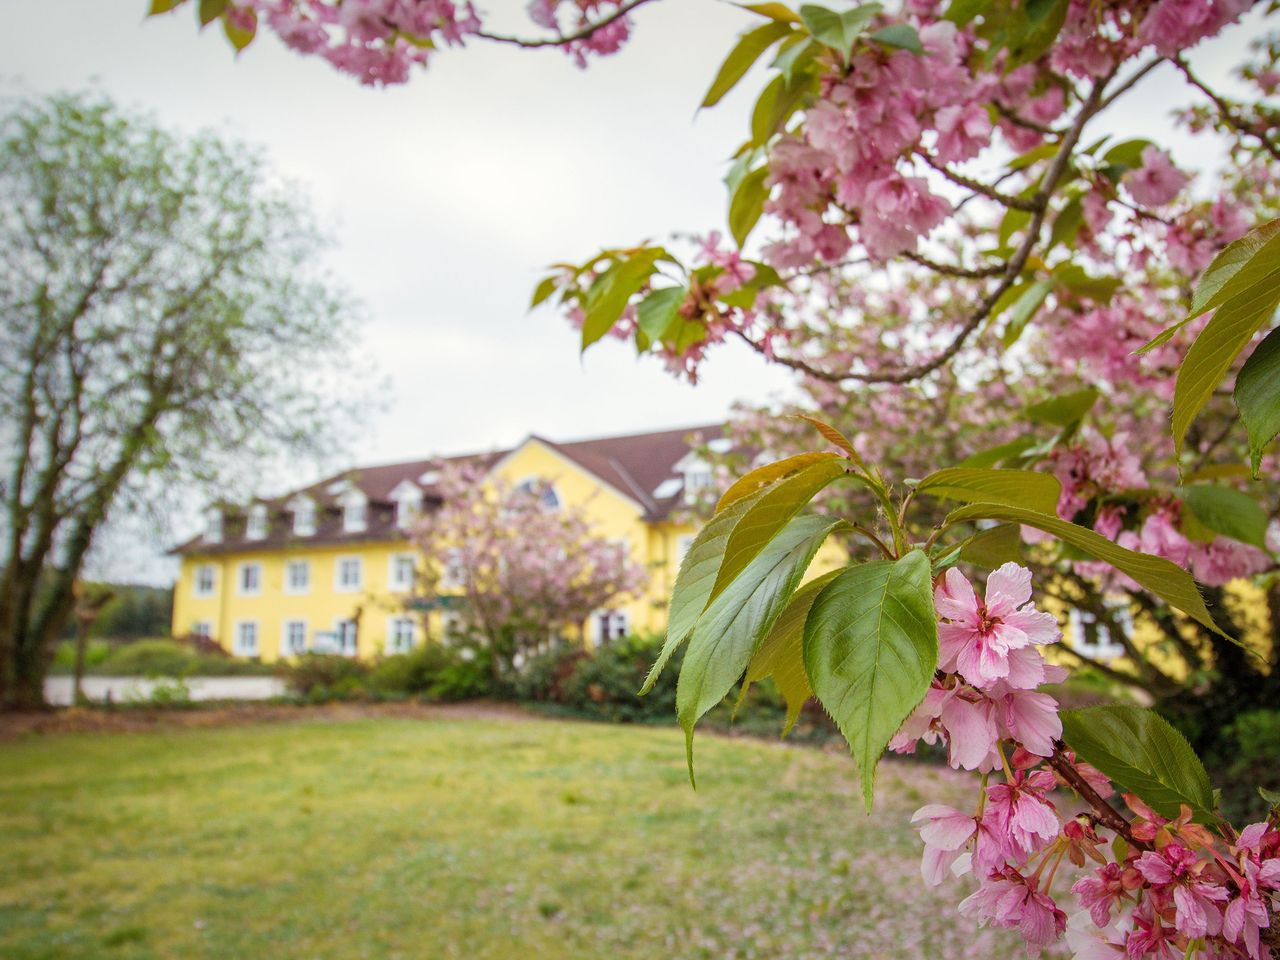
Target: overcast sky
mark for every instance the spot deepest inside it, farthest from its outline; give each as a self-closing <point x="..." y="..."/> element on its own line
<point x="447" y="196"/>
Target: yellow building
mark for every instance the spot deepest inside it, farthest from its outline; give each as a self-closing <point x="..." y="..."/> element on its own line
<point x="328" y="568"/>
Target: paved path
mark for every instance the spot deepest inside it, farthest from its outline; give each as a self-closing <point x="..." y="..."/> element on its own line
<point x="57" y="690"/>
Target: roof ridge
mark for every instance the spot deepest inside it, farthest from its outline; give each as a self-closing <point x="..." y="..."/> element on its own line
<point x="644" y="433"/>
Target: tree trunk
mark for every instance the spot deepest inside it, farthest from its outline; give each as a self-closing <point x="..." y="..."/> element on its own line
<point x="82" y="648"/>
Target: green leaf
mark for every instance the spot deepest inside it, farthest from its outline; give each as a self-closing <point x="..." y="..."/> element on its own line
<point x="240" y="36"/>
<point x="657" y="313"/>
<point x="1074" y="278"/>
<point x="1142" y="754"/>
<point x="1066" y="224"/>
<point x="163" y="6"/>
<point x="1127" y="153"/>
<point x="1017" y="488"/>
<point x="774" y="11"/>
<point x="778" y="101"/>
<point x="831" y="435"/>
<point x="992" y="548"/>
<point x="795" y="53"/>
<point x="545" y="288"/>
<point x="1240" y="265"/>
<point x="695" y="580"/>
<point x="1064" y="410"/>
<point x="1209" y="358"/>
<point x="870" y="649"/>
<point x="781" y="653"/>
<point x="1023" y="309"/>
<point x="1012" y="450"/>
<point x="1257" y="396"/>
<point x="901" y="36"/>
<point x="961" y="12"/>
<point x="838" y="30"/>
<point x="1166" y="580"/>
<point x="747" y="203"/>
<point x="763" y="476"/>
<point x="1227" y="511"/>
<point x="210" y="10"/>
<point x="609" y="295"/>
<point x="746" y="52"/>
<point x="729" y="632"/>
<point x="1033" y="156"/>
<point x="770" y="510"/>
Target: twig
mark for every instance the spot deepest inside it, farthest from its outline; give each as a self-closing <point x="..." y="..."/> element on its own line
<point x="977" y="186"/>
<point x="1225" y="111"/>
<point x="1108" y="816"/>
<point x="1020" y="121"/>
<point x="564" y="38"/>
<point x="954" y="271"/>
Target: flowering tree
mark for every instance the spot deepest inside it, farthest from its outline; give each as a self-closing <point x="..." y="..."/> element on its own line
<point x="529" y="569"/>
<point x="1068" y="334"/>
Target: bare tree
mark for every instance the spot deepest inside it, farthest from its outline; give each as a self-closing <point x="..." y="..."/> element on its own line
<point x="165" y="322"/>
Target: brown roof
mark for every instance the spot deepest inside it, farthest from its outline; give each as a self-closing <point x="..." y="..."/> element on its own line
<point x="635" y="465"/>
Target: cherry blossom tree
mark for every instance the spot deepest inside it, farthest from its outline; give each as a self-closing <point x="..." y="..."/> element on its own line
<point x="528" y="569"/>
<point x="1068" y="335"/>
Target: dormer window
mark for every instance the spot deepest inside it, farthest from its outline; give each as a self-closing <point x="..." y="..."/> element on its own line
<point x="408" y="501"/>
<point x="355" y="511"/>
<point x="256" y="526"/>
<point x="213" y="525"/>
<point x="544" y="492"/>
<point x="697" y="477"/>
<point x="304" y="516"/>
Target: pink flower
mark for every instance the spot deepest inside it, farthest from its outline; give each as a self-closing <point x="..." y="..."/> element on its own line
<point x="1157" y="181"/>
<point x="1224" y="560"/>
<point x="963" y="131"/>
<point x="977" y="641"/>
<point x="1009" y="900"/>
<point x="1177" y="869"/>
<point x="945" y="832"/>
<point x="1019" y="813"/>
<point x="1102" y="891"/>
<point x="1031" y="719"/>
<point x="896" y="212"/>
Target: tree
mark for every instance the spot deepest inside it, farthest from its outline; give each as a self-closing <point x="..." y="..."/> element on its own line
<point x="949" y="237"/>
<point x="529" y="569"/>
<point x="165" y="323"/>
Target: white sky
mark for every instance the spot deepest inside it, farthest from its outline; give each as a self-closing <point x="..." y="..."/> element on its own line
<point x="448" y="195"/>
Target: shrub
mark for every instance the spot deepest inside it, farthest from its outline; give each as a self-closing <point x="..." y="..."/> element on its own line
<point x="325" y="676"/>
<point x="605" y="682"/>
<point x="165" y="658"/>
<point x="433" y="672"/>
<point x="1254" y="762"/>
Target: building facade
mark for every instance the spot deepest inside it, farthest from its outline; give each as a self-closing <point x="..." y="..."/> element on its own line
<point x="329" y="568"/>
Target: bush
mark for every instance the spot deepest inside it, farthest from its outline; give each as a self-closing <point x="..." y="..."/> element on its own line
<point x="326" y="676"/>
<point x="64" y="657"/>
<point x="162" y="658"/>
<point x="1254" y="762"/>
<point x="433" y="672"/>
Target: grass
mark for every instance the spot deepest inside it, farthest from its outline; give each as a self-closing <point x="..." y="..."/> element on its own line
<point x="461" y="837"/>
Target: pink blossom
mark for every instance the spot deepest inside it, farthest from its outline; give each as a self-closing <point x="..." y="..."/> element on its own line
<point x="1223" y="560"/>
<point x="977" y="641"/>
<point x="1102" y="891"/>
<point x="945" y="832"/>
<point x="963" y="131"/>
<point x="897" y="211"/>
<point x="1157" y="181"/>
<point x="1019" y="813"/>
<point x="1171" y="26"/>
<point x="1177" y="870"/>
<point x="1031" y="719"/>
<point x="1009" y="900"/>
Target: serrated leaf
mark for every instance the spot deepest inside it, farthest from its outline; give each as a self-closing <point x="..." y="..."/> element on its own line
<point x="761" y="477"/>
<point x="768" y="512"/>
<point x="694" y="582"/>
<point x="745" y="53"/>
<point x="774" y="11"/>
<point x="870" y="649"/>
<point x="1064" y="410"/>
<point x="1018" y="488"/>
<point x="658" y="313"/>
<point x="901" y="36"/>
<point x="995" y="547"/>
<point x="1023" y="309"/>
<point x="831" y="435"/>
<point x="839" y="31"/>
<point x="733" y="626"/>
<point x="610" y="294"/>
<point x="796" y="52"/>
<point x="1142" y="754"/>
<point x="1165" y="579"/>
<point x="746" y="204"/>
<point x="1209" y="358"/>
<point x="1227" y="511"/>
<point x="1257" y="396"/>
<point x="1012" y="450"/>
<point x="781" y="653"/>
<point x="1238" y="266"/>
<point x="780" y="98"/>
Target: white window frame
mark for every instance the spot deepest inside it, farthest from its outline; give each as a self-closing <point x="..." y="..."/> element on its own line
<point x="286" y="645"/>
<point x="453" y="576"/>
<point x="345" y="628"/>
<point x="394" y="635"/>
<point x="304" y="516"/>
<point x="607" y="620"/>
<point x="255" y="527"/>
<point x="355" y="511"/>
<point x="1105" y="648"/>
<point x="202" y="628"/>
<point x="289" y="586"/>
<point x="338" y="585"/>
<point x="238" y="642"/>
<point x="256" y="591"/>
<point x="394" y="583"/>
<point x="198" y="591"/>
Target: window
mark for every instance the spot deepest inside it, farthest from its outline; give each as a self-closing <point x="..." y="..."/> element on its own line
<point x="403" y="571"/>
<point x="696" y="479"/>
<point x="451" y="624"/>
<point x="213" y="525"/>
<point x="297" y="576"/>
<point x="293" y="641"/>
<point x="256" y="526"/>
<point x="304" y="517"/>
<point x="612" y="625"/>
<point x="247" y="638"/>
<point x="202" y="629"/>
<point x="402" y="634"/>
<point x="408" y="499"/>
<point x="249" y="579"/>
<point x="205" y="581"/>
<point x="545" y="492"/>
<point x="1093" y="639"/>
<point x="454" y="575"/>
<point x="346" y="631"/>
<point x="349" y="574"/>
<point x="355" y="511"/>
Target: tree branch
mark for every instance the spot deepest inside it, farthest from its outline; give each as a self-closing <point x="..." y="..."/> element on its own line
<point x="1107" y="815"/>
<point x="565" y="38"/>
<point x="977" y="186"/>
<point x="1229" y="116"/>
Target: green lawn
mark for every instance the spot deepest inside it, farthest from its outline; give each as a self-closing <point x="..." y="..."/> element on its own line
<point x="460" y="837"/>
